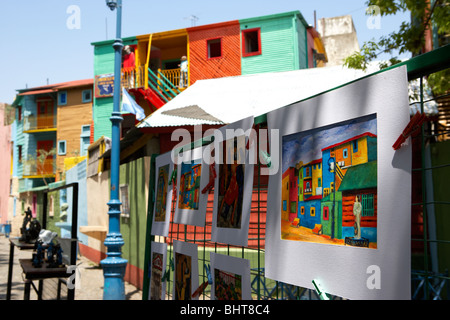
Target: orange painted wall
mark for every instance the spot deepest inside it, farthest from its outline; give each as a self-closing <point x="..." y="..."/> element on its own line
<point x="228" y="65"/>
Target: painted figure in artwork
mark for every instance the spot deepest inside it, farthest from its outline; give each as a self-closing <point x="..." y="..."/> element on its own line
<point x="357" y="209"/>
<point x="183" y="72"/>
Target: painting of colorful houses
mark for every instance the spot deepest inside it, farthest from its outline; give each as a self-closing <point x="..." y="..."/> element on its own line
<point x="161" y="193"/>
<point x="190" y="185"/>
<point x="329" y="184"/>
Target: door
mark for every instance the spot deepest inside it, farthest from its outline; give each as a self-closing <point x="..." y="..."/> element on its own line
<point x="44" y="165"/>
<point x="45" y="114"/>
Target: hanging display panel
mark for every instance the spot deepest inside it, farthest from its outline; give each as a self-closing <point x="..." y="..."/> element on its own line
<point x="233" y="184"/>
<point x="192" y="177"/>
<point x="157" y="269"/>
<point x="231" y="278"/>
<point x="339" y="198"/>
<point x="186" y="270"/>
<point x="163" y="197"/>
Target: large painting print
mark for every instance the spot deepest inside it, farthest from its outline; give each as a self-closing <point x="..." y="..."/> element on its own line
<point x="339" y="200"/>
<point x="329" y="184"/>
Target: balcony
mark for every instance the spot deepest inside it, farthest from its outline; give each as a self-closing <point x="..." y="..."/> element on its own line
<point x="139" y="77"/>
<point x="39" y="123"/>
<point x="34" y="168"/>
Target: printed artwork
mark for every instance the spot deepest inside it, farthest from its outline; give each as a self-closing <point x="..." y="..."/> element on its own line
<point x="186" y="270"/>
<point x="227" y="285"/>
<point x="161" y="193"/>
<point x="329" y="184"/>
<point x="157" y="264"/>
<point x="231" y="186"/>
<point x="191" y="177"/>
<point x="339" y="198"/>
<point x="164" y="168"/>
<point x="231" y="277"/>
<point x="183" y="276"/>
<point x="156" y="276"/>
<point x="189" y="192"/>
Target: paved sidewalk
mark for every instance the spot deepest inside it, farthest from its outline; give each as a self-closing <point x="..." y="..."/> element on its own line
<point x="91" y="276"/>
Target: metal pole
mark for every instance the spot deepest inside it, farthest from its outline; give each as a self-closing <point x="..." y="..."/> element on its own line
<point x="114" y="265"/>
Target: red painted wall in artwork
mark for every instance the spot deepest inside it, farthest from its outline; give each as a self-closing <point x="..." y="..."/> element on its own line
<point x="229" y="64"/>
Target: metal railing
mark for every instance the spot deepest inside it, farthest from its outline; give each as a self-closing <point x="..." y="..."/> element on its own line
<point x="41" y="122"/>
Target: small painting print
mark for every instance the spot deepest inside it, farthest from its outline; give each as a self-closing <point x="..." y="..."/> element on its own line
<point x="156" y="276"/>
<point x="189" y="192"/>
<point x="183" y="270"/>
<point x="231" y="186"/>
<point x="161" y="193"/>
<point x="329" y="184"/>
<point x="228" y="286"/>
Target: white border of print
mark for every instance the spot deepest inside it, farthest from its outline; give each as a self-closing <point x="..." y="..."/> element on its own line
<point x="161" y="248"/>
<point x="161" y="228"/>
<point x="188" y="249"/>
<point x="234" y="265"/>
<point x="238" y="237"/>
<point x="345" y="271"/>
<point x="194" y="217"/>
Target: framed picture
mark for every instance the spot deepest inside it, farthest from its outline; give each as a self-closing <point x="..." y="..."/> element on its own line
<point x="157" y="269"/>
<point x="192" y="177"/>
<point x="186" y="270"/>
<point x="231" y="278"/>
<point x="163" y="197"/>
<point x="340" y="198"/>
<point x="233" y="185"/>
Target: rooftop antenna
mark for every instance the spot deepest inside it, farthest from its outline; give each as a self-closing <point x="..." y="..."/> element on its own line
<point x="193" y="19"/>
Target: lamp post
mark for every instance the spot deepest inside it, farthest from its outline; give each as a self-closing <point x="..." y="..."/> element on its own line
<point x="114" y="265"/>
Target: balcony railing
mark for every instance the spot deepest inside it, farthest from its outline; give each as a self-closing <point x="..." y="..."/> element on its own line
<point x="138" y="77"/>
<point x="34" y="167"/>
<point x="42" y="122"/>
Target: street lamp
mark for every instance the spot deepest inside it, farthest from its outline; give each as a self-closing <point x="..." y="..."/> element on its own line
<point x="114" y="265"/>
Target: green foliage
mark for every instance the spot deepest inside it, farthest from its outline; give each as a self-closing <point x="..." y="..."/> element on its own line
<point x="410" y="35"/>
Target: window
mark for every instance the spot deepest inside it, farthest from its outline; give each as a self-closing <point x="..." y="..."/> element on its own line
<point x="19" y="111"/>
<point x="355" y="145"/>
<point x="62" y="98"/>
<point x="302" y="210"/>
<point x="214" y="47"/>
<point x="326" y="213"/>
<point x="326" y="192"/>
<point x="312" y="211"/>
<point x="19" y="151"/>
<point x="319" y="182"/>
<point x="85" y="139"/>
<point x="251" y="42"/>
<point x="293" y="207"/>
<point x="368" y="205"/>
<point x="124" y="199"/>
<point x="62" y="147"/>
<point x="86" y="96"/>
<point x="345" y="153"/>
<point x="284" y="205"/>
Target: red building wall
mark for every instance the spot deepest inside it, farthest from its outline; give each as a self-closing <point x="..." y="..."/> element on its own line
<point x="229" y="64"/>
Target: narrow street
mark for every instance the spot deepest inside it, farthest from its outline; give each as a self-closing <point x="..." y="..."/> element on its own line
<point x="91" y="279"/>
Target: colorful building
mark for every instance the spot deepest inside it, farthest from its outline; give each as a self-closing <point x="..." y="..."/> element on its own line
<point x="273" y="43"/>
<point x="52" y="125"/>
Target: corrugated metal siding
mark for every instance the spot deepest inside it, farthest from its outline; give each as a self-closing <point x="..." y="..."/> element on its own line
<point x="102" y="112"/>
<point x="277" y="43"/>
<point x="228" y="65"/>
<point x="302" y="45"/>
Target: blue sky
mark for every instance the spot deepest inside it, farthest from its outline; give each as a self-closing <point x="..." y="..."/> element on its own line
<point x="37" y="44"/>
<point x="307" y="146"/>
